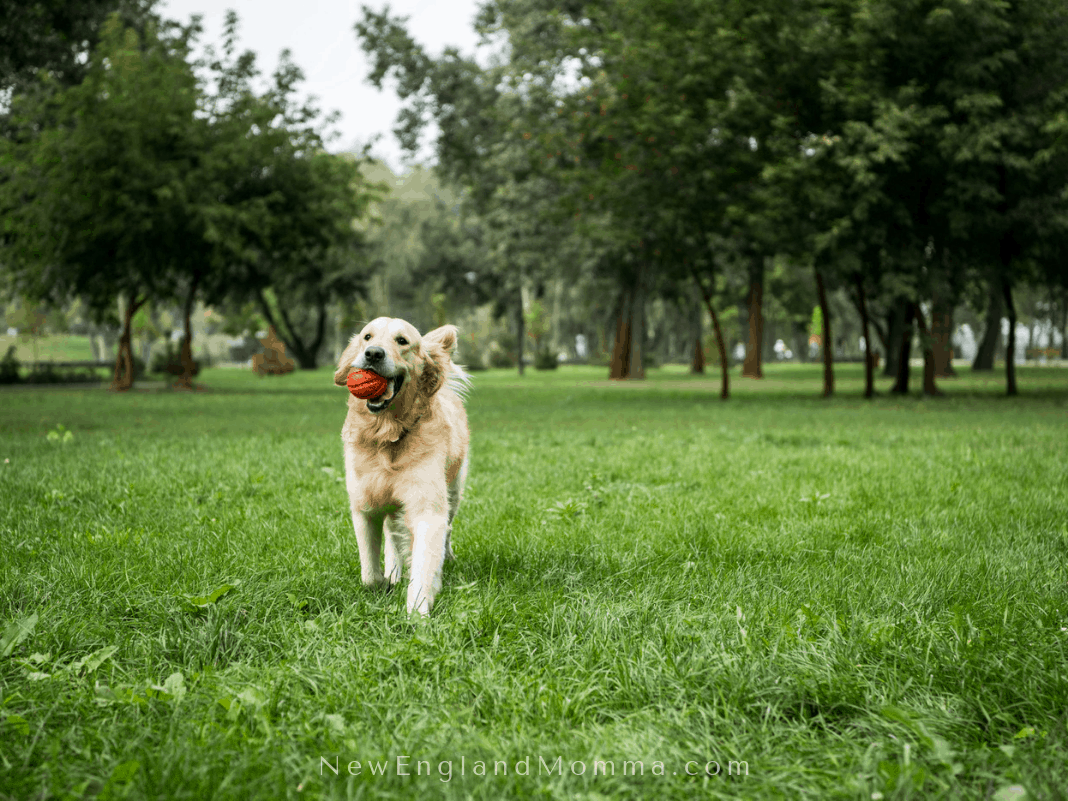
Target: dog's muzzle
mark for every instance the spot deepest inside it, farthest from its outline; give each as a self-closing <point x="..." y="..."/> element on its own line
<point x="393" y="388"/>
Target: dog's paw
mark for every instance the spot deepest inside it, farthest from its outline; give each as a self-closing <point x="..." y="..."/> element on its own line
<point x="376" y="582"/>
<point x="419" y="612"/>
<point x="419" y="602"/>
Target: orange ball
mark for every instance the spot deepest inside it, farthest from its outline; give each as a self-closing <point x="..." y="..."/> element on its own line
<point x="365" y="384"/>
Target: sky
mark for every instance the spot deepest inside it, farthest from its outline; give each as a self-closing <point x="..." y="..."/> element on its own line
<point x="320" y="35"/>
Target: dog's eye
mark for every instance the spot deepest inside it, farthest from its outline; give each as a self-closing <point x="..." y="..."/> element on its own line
<point x="402" y="341"/>
<point x="367" y="336"/>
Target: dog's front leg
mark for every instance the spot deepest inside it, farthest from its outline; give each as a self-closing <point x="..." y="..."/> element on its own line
<point x="429" y="531"/>
<point x="369" y="539"/>
<point x="398" y="548"/>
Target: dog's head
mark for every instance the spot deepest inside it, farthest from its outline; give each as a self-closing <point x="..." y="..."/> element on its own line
<point x="414" y="366"/>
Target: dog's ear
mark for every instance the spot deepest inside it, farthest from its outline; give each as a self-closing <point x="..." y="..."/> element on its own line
<point x="344" y="364"/>
<point x="443" y="338"/>
<point x="438" y="346"/>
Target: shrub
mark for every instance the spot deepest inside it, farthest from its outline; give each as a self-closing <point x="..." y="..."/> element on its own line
<point x="48" y="374"/>
<point x="545" y="359"/>
<point x="169" y="361"/>
<point x="9" y="368"/>
<point x="502" y="353"/>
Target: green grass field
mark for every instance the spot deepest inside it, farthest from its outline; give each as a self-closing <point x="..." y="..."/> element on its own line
<point x="66" y="348"/>
<point x="785" y="596"/>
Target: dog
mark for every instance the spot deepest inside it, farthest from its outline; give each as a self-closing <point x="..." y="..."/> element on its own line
<point x="406" y="454"/>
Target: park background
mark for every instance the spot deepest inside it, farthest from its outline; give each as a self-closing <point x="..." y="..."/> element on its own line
<point x="765" y="307"/>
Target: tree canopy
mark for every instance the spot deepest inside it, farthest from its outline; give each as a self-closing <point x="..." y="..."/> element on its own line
<point x="145" y="181"/>
<point x="903" y="149"/>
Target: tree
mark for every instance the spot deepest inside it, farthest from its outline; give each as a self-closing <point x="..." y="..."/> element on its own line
<point x="862" y="141"/>
<point x="285" y="230"/>
<point x="56" y="35"/>
<point x="99" y="203"/>
<point x="455" y="93"/>
<point x="967" y="91"/>
<point x="309" y="253"/>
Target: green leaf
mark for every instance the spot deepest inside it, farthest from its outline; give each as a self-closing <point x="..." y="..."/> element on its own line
<point x="897" y="714"/>
<point x="119" y="778"/>
<point x="90" y="663"/>
<point x="175" y="686"/>
<point x="15" y="633"/>
<point x="197" y="603"/>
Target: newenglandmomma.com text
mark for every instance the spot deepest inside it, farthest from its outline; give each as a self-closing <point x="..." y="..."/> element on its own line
<point x="404" y="765"/>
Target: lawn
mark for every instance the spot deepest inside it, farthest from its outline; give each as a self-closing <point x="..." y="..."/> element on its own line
<point x="66" y="348"/>
<point x="785" y="596"/>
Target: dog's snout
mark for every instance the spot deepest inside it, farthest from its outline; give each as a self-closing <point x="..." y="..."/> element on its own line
<point x="374" y="354"/>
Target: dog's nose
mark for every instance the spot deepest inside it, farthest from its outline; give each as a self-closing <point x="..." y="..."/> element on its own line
<point x="374" y="354"/>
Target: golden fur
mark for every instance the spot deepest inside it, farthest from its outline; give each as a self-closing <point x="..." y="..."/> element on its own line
<point x="406" y="463"/>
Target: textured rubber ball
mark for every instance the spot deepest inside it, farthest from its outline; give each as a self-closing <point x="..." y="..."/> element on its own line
<point x="365" y="384"/>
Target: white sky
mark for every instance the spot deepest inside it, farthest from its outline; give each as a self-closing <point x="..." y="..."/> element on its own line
<point x="320" y="35"/>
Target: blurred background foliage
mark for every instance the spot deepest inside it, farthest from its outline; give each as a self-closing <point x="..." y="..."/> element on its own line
<point x="857" y="180"/>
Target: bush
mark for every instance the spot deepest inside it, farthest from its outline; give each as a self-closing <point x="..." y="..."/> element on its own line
<point x="545" y="359"/>
<point x="169" y="361"/>
<point x="49" y="374"/>
<point x="500" y="355"/>
<point x="9" y="368"/>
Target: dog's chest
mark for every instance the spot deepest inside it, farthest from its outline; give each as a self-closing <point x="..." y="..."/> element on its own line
<point x="376" y="477"/>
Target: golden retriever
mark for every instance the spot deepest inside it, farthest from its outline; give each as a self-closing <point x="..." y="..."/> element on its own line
<point x="406" y="454"/>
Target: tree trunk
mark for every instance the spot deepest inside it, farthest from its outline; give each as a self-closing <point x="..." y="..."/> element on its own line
<point x="752" y="367"/>
<point x="1010" y="351"/>
<point x="697" y="364"/>
<point x="941" y="337"/>
<point x="869" y="366"/>
<point x="636" y="368"/>
<point x="621" y="347"/>
<point x="185" y="381"/>
<point x="828" y="355"/>
<point x="904" y="351"/>
<point x="880" y="333"/>
<point x="984" y="356"/>
<point x="306" y="355"/>
<point x="123" y="377"/>
<point x="630" y="335"/>
<point x="725" y="390"/>
<point x="927" y="342"/>
<point x="1064" y="326"/>
<point x="895" y="324"/>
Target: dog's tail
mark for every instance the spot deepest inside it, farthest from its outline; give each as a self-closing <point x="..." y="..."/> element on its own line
<point x="459" y="380"/>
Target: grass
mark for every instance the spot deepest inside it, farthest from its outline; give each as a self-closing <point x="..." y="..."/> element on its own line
<point x="64" y="348"/>
<point x="821" y="599"/>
